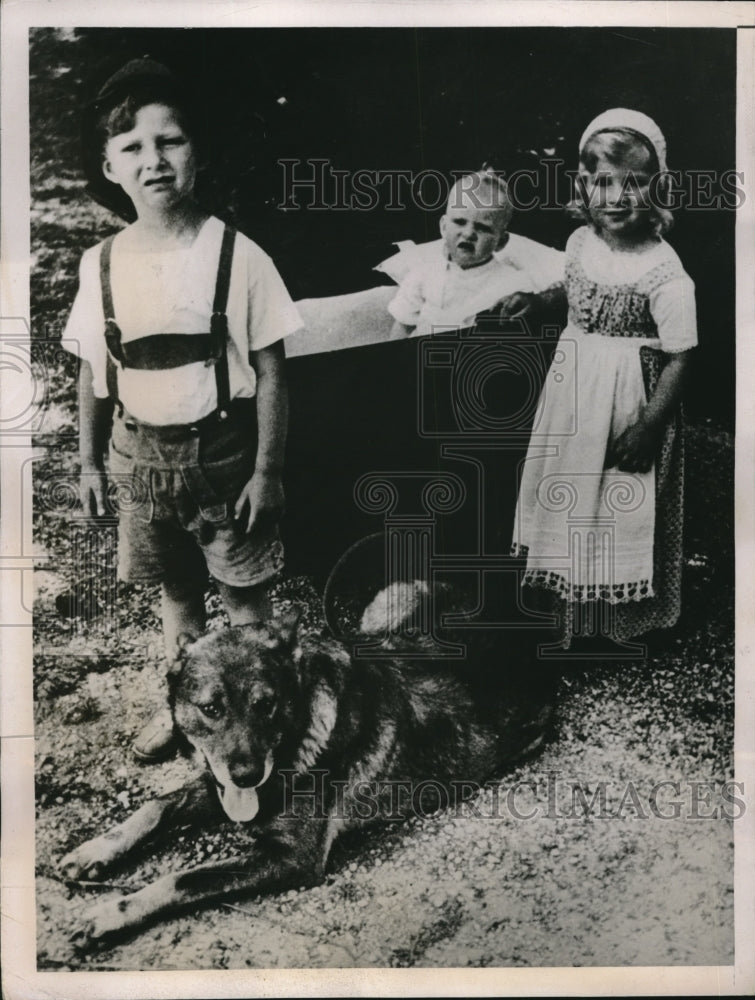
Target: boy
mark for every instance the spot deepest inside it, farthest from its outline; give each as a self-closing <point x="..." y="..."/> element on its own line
<point x="179" y="322"/>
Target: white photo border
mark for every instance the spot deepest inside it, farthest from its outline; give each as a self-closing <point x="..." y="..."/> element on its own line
<point x="21" y="980"/>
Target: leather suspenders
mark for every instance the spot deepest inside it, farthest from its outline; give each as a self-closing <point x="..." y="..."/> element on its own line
<point x="112" y="331"/>
<point x="219" y="322"/>
<point x="172" y="350"/>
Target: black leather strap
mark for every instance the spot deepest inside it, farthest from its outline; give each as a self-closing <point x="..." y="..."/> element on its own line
<point x="112" y="331"/>
<point x="107" y="294"/>
<point x="172" y="350"/>
<point x="219" y="322"/>
<point x="169" y="350"/>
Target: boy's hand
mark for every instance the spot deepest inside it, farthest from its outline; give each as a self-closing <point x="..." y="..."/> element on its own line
<point x="634" y="450"/>
<point x="264" y="496"/>
<point x="92" y="490"/>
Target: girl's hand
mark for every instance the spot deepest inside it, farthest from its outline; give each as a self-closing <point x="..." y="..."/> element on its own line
<point x="634" y="450"/>
<point x="263" y="495"/>
<point x="400" y="331"/>
<point x="515" y="306"/>
<point x="92" y="490"/>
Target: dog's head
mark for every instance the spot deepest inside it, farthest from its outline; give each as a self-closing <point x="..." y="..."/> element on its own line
<point x="232" y="693"/>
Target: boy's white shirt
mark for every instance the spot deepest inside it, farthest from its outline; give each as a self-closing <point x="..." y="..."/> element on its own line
<point x="173" y="292"/>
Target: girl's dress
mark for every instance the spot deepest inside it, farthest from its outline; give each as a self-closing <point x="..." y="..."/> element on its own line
<point x="595" y="534"/>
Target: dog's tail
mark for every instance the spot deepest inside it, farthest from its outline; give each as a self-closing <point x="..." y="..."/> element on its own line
<point x="400" y="605"/>
<point x="359" y="599"/>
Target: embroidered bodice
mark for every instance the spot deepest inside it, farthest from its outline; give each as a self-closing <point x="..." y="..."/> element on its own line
<point x="613" y="310"/>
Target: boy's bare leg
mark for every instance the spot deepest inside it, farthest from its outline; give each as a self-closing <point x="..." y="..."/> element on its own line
<point x="183" y="611"/>
<point x="246" y="605"/>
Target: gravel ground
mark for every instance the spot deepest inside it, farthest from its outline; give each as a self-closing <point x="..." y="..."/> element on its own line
<point x="476" y="886"/>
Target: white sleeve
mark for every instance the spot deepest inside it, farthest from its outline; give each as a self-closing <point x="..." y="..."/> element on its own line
<point x="405" y="306"/>
<point x="543" y="265"/>
<point x="410" y="256"/>
<point x="271" y="311"/>
<point x="84" y="333"/>
<point x="574" y="243"/>
<point x="672" y="306"/>
<point x="548" y="269"/>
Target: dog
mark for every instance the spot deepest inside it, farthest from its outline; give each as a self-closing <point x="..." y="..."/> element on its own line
<point x="306" y="741"/>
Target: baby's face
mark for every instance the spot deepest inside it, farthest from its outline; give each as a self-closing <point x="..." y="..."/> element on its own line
<point x="471" y="234"/>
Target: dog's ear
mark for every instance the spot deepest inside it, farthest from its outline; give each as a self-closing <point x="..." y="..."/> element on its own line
<point x="184" y="642"/>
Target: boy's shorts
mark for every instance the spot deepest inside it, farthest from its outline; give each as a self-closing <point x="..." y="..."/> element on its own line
<point x="175" y="490"/>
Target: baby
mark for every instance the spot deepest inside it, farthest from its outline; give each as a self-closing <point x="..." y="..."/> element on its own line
<point x="467" y="278"/>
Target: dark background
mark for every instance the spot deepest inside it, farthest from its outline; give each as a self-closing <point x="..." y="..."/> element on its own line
<point x="441" y="99"/>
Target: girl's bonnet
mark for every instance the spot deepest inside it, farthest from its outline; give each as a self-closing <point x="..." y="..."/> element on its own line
<point x="633" y="121"/>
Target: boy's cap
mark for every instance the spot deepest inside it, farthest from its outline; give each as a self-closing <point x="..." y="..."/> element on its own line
<point x="134" y="74"/>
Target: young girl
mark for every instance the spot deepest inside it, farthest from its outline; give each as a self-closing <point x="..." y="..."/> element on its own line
<point x="599" y="515"/>
<point x="179" y="323"/>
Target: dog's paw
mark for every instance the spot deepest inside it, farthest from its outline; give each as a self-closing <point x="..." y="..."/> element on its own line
<point x="87" y="861"/>
<point x="99" y="923"/>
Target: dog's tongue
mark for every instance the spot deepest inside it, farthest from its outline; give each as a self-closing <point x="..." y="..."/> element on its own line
<point x="240" y="804"/>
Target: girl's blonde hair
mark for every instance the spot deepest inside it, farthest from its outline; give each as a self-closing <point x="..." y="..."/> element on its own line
<point x="614" y="143"/>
